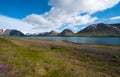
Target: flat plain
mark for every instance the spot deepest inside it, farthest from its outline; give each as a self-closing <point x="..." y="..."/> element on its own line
<point x="27" y="57"/>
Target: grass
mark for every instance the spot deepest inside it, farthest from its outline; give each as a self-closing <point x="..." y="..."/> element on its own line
<point x="40" y="58"/>
<point x="61" y="49"/>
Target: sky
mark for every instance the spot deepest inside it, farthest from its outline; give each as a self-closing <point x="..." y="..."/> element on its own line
<point x="31" y="16"/>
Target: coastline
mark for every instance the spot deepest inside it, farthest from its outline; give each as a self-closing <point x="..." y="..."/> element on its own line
<point x="80" y="40"/>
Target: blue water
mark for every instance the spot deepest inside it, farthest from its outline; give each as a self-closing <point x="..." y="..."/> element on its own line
<point x="86" y="40"/>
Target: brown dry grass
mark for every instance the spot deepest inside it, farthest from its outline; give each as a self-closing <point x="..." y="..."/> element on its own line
<point x="44" y="58"/>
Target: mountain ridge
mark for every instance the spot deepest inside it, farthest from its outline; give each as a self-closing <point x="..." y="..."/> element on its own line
<point x="66" y="32"/>
<point x="99" y="29"/>
<point x="11" y="32"/>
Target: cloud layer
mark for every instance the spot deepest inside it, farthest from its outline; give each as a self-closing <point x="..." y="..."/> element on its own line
<point x="70" y="13"/>
<point x="12" y="23"/>
<point x="115" y="18"/>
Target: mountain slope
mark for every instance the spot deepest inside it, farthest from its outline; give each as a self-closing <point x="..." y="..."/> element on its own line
<point x="101" y="29"/>
<point x="52" y="33"/>
<point x="116" y="25"/>
<point x="11" y="32"/>
<point x="66" y="32"/>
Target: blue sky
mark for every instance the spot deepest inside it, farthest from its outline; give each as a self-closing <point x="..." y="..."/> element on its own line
<point x="109" y="13"/>
<point x="47" y="15"/>
<point x="21" y="8"/>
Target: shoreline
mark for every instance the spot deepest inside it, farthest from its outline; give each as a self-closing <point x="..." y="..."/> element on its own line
<point x="47" y="38"/>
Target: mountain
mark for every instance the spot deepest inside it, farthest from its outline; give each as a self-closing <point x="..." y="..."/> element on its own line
<point x="32" y="34"/>
<point x="43" y="34"/>
<point x="11" y="32"/>
<point x="101" y="29"/>
<point x="66" y="32"/>
<point x="116" y="25"/>
<point x="52" y="33"/>
<point x="37" y="34"/>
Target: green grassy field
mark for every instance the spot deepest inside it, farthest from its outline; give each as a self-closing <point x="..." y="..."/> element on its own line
<point x="44" y="58"/>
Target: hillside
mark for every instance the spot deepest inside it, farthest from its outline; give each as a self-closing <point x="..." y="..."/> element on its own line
<point x="66" y="32"/>
<point x="115" y="25"/>
<point x="11" y="32"/>
<point x="52" y="33"/>
<point x="42" y="58"/>
<point x="101" y="29"/>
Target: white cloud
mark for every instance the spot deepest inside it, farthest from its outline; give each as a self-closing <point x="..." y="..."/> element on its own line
<point x="115" y="18"/>
<point x="81" y="6"/>
<point x="12" y="23"/>
<point x="69" y="12"/>
<point x="38" y="20"/>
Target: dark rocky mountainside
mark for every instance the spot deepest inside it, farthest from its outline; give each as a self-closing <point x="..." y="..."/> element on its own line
<point x="52" y="33"/>
<point x="66" y="32"/>
<point x="102" y="29"/>
<point x="11" y="32"/>
<point x="115" y="25"/>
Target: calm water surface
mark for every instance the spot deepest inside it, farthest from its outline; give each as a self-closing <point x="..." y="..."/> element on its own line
<point x="86" y="40"/>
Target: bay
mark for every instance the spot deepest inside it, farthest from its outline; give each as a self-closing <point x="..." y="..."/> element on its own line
<point x="86" y="40"/>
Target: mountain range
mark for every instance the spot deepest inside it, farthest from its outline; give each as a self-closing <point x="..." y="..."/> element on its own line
<point x="99" y="29"/>
<point x="11" y="32"/>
